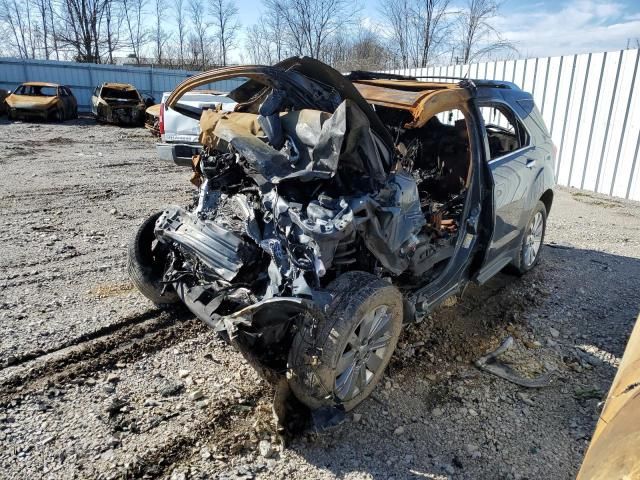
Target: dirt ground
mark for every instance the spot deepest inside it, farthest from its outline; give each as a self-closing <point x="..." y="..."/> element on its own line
<point x="96" y="382"/>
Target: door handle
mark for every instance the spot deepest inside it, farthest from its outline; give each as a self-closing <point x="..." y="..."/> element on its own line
<point x="531" y="162"/>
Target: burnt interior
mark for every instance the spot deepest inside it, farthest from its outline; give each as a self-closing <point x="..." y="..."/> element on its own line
<point x="120" y="96"/>
<point x="438" y="157"/>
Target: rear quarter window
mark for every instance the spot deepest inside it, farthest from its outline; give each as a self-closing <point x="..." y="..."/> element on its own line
<point x="533" y="115"/>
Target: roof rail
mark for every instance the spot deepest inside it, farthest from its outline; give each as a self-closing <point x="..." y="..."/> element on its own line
<point x="365" y="75"/>
<point x="477" y="81"/>
<point x="441" y="77"/>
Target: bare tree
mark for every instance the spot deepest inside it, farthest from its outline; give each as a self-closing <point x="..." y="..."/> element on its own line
<point x="160" y="35"/>
<point x="54" y="36"/>
<point x="181" y="23"/>
<point x="274" y="26"/>
<point x="359" y="50"/>
<point x="265" y="41"/>
<point x="199" y="36"/>
<point x="431" y="28"/>
<point x="42" y="7"/>
<point x="308" y="24"/>
<point x="257" y="45"/>
<point x="11" y="15"/>
<point x="418" y="29"/>
<point x="398" y="14"/>
<point x="225" y="14"/>
<point x="477" y="36"/>
<point x="31" y="28"/>
<point x="113" y="18"/>
<point x="133" y="11"/>
<point x="80" y="28"/>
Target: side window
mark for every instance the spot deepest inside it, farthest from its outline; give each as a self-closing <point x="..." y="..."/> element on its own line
<point x="504" y="130"/>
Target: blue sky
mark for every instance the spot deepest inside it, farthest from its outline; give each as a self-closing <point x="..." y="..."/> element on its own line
<point x="538" y="28"/>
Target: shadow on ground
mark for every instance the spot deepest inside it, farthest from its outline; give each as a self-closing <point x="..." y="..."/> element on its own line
<point x="436" y="415"/>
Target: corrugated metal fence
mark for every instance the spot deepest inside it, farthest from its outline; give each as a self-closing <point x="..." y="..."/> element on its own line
<point x="591" y="105"/>
<point x="84" y="77"/>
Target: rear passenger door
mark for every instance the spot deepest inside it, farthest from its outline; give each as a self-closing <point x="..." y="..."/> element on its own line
<point x="511" y="166"/>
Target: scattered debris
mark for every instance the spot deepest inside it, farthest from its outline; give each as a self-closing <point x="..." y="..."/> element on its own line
<point x="489" y="363"/>
<point x="196" y="395"/>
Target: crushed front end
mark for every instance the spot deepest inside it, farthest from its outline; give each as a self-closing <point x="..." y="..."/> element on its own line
<point x="301" y="194"/>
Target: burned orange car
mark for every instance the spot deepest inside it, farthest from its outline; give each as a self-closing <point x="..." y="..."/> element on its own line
<point x="119" y="103"/>
<point x="42" y="101"/>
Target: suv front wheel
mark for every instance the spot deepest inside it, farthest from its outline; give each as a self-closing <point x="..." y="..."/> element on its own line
<point x="353" y="344"/>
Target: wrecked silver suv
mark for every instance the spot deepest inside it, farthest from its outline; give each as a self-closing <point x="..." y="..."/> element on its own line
<point x="333" y="209"/>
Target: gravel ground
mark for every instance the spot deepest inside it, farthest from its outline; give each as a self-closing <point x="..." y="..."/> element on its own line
<point x="98" y="383"/>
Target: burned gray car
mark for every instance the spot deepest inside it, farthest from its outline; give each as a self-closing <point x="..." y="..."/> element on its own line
<point x="119" y="103"/>
<point x="330" y="210"/>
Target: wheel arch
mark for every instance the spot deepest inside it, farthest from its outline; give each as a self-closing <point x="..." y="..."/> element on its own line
<point x="547" y="199"/>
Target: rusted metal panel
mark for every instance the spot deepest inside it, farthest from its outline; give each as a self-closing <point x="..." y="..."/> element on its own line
<point x="422" y="104"/>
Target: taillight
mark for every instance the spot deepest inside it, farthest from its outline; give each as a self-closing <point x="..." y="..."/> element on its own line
<point x="161" y="121"/>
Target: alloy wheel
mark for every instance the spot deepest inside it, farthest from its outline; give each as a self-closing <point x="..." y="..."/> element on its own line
<point x="363" y="355"/>
<point x="534" y="239"/>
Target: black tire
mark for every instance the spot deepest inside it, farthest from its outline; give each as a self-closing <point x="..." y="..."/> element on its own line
<point x="146" y="263"/>
<point x="312" y="372"/>
<point x="58" y="115"/>
<point x="10" y="115"/>
<point x="524" y="262"/>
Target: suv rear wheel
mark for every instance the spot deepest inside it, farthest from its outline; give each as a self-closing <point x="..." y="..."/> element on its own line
<point x="353" y="345"/>
<point x="533" y="239"/>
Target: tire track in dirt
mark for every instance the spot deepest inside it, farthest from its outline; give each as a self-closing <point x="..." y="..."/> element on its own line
<point x="126" y="344"/>
<point x="87" y="337"/>
<point x="38" y="278"/>
<point x="69" y="193"/>
<point x="227" y="422"/>
<point x="51" y="262"/>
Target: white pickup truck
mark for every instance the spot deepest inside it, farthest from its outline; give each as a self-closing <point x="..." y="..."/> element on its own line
<point x="179" y="133"/>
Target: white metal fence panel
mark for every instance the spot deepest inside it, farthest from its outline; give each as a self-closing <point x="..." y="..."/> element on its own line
<point x="591" y="105"/>
<point x="84" y="77"/>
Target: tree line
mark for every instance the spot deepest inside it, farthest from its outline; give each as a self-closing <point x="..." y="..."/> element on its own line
<point x="200" y="34"/>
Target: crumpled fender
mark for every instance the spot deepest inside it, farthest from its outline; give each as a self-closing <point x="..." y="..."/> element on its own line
<point x="268" y="312"/>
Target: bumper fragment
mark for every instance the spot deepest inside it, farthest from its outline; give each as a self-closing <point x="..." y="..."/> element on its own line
<point x="180" y="154"/>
